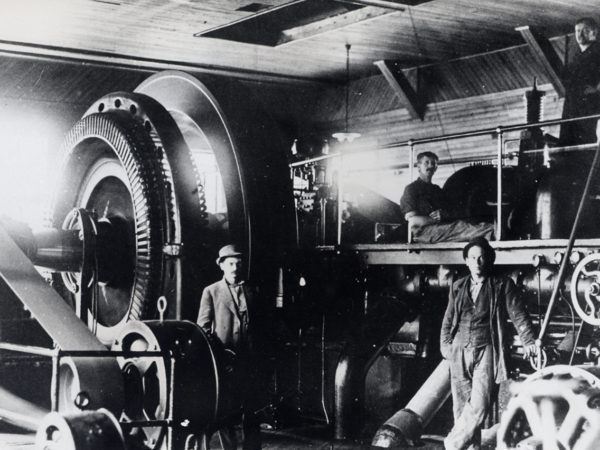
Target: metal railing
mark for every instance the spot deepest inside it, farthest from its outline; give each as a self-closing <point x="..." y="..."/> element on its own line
<point x="499" y="132"/>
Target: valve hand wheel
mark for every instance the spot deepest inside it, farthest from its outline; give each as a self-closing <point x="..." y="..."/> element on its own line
<point x="585" y="289"/>
<point x="539" y="361"/>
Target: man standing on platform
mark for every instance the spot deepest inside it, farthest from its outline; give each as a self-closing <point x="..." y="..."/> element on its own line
<point x="474" y="339"/>
<point x="582" y="84"/>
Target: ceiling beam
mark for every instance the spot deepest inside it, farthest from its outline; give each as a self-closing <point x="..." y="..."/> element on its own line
<point x="116" y="60"/>
<point x="545" y="55"/>
<point x="331" y="24"/>
<point x="399" y="5"/>
<point x="402" y="88"/>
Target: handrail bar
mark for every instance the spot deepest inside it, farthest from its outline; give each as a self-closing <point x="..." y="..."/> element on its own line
<point x="484" y="131"/>
<point x="484" y="160"/>
<point x="445" y="137"/>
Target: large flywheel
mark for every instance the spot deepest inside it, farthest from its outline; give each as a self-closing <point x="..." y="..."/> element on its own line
<point x="113" y="168"/>
<point x="153" y="182"/>
<point x="136" y="163"/>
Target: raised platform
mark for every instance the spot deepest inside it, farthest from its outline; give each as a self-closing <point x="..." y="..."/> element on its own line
<point x="507" y="252"/>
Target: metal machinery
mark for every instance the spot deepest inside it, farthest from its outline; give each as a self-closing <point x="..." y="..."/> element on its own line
<point x="548" y="244"/>
<point x="132" y="242"/>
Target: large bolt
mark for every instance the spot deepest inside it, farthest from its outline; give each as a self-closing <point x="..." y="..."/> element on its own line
<point x="82" y="400"/>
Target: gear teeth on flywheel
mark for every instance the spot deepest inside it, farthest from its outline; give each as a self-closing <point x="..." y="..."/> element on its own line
<point x="150" y="194"/>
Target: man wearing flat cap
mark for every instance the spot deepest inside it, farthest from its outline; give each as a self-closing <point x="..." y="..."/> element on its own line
<point x="474" y="338"/>
<point x="226" y="313"/>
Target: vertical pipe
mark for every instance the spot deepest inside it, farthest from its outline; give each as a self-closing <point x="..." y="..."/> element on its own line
<point x="296" y="222"/>
<point x="499" y="186"/>
<point x="411" y="172"/>
<point x="54" y="384"/>
<point x="323" y="405"/>
<point x="359" y="353"/>
<point x="340" y="208"/>
<point x="169" y="425"/>
<point x="323" y="228"/>
<point x="299" y="362"/>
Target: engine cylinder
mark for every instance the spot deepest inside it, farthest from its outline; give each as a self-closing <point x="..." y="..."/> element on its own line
<point x="557" y="200"/>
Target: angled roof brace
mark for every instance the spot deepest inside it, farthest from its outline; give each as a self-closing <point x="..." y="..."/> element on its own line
<point x="402" y="88"/>
<point x="545" y="55"/>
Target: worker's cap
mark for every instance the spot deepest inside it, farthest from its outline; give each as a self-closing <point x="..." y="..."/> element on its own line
<point x="227" y="252"/>
<point x="484" y="245"/>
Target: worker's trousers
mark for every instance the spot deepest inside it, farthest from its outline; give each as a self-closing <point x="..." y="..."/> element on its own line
<point x="472" y="383"/>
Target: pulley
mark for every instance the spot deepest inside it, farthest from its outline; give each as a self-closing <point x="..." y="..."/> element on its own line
<point x="89" y="430"/>
<point x="184" y="385"/>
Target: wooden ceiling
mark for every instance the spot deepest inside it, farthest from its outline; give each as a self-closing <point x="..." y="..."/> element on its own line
<point x="163" y="33"/>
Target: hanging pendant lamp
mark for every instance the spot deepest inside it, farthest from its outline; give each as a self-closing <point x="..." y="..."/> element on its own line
<point x="346" y="136"/>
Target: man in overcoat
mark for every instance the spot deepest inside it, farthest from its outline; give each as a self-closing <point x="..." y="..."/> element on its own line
<point x="227" y="310"/>
<point x="474" y="338"/>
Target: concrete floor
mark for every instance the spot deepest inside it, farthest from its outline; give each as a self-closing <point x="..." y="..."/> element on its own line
<point x="318" y="437"/>
<point x="293" y="439"/>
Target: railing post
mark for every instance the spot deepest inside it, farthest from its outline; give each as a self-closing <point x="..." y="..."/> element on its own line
<point x="340" y="196"/>
<point x="499" y="185"/>
<point x="411" y="172"/>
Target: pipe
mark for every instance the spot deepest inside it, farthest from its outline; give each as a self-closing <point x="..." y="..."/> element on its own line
<point x="406" y="426"/>
<point x="349" y="392"/>
<point x="499" y="186"/>
<point x="358" y="355"/>
<point x="340" y="201"/>
<point x="411" y="165"/>
<point x="323" y="405"/>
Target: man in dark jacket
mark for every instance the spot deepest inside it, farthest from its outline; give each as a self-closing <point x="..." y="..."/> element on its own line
<point x="227" y="309"/>
<point x="474" y="337"/>
<point x="582" y="83"/>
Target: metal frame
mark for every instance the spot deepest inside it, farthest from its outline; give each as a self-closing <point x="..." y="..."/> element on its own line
<point x="57" y="354"/>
